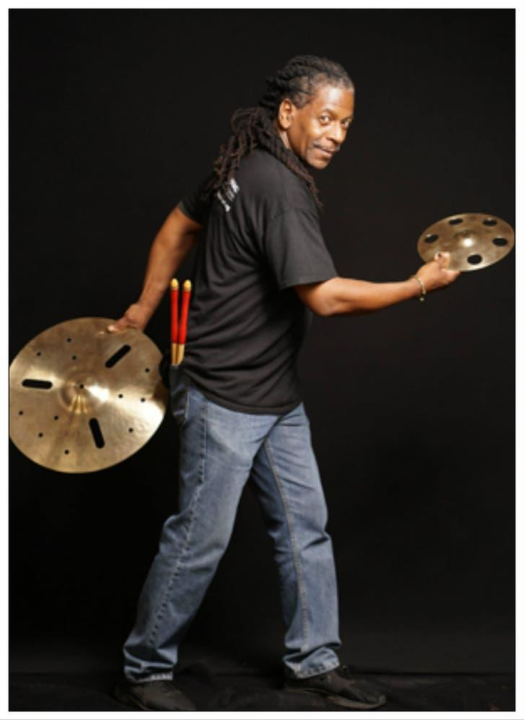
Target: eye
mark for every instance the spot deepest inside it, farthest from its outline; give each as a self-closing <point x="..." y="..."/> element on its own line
<point x="324" y="118"/>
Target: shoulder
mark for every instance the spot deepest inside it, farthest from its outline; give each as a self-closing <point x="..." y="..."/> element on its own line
<point x="260" y="167"/>
<point x="264" y="176"/>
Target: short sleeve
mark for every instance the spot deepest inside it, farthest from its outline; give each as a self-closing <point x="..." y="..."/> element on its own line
<point x="192" y="204"/>
<point x="295" y="249"/>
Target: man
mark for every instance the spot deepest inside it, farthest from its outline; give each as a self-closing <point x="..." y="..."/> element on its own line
<point x="262" y="267"/>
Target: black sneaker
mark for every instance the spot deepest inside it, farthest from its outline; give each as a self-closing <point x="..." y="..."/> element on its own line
<point x="340" y="687"/>
<point x="152" y="695"/>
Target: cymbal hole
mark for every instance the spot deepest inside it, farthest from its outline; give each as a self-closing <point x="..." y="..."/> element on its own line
<point x="40" y="434"/>
<point x="74" y="357"/>
<point x="147" y="370"/>
<point x="38" y="354"/>
<point x="66" y="452"/>
<point x="131" y="430"/>
<point x="456" y="221"/>
<point x="120" y="395"/>
<point x="489" y="222"/>
<point x="96" y="431"/>
<point x="20" y="412"/>
<point x="37" y="384"/>
<point x="116" y="357"/>
<point x="55" y="417"/>
<point x="500" y="241"/>
<point x="431" y="238"/>
<point x="475" y="259"/>
<point x="142" y="399"/>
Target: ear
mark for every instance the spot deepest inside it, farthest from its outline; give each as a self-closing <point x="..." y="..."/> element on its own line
<point x="286" y="113"/>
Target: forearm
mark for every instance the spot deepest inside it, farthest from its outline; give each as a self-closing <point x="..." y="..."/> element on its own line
<point x="342" y="296"/>
<point x="174" y="240"/>
<point x="169" y="249"/>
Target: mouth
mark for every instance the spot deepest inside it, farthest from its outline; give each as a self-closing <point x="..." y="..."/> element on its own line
<point x="326" y="151"/>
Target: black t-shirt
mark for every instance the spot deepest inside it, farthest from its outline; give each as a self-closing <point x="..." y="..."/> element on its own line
<point x="246" y="323"/>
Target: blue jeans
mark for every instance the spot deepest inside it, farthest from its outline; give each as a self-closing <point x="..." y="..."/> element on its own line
<point x="220" y="450"/>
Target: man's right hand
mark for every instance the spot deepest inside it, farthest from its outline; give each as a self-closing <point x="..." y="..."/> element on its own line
<point x="136" y="316"/>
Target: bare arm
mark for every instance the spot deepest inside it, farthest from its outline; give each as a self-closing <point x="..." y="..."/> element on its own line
<point x="171" y="245"/>
<point x="342" y="296"/>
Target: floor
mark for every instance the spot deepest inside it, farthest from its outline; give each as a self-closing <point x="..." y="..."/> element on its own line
<point x="210" y="691"/>
<point x="79" y="675"/>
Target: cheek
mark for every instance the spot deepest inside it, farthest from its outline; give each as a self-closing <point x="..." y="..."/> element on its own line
<point x="309" y="136"/>
<point x="300" y="139"/>
<point x="315" y="132"/>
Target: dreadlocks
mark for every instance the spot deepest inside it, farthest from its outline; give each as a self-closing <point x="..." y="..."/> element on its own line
<point x="254" y="127"/>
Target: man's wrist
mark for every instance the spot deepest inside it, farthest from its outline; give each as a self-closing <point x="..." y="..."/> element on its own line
<point x="420" y="287"/>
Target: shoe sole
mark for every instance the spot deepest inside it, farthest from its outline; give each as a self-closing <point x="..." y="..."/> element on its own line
<point x="337" y="700"/>
<point x="127" y="699"/>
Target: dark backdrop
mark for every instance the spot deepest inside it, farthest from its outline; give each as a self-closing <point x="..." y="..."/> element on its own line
<point x="114" y="116"/>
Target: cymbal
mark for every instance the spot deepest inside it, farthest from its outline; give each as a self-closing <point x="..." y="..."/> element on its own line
<point x="473" y="240"/>
<point x="83" y="399"/>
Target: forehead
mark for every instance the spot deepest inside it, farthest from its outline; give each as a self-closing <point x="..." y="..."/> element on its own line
<point x="335" y="98"/>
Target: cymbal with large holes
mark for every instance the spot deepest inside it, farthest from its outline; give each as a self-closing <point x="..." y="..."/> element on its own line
<point x="473" y="240"/>
<point x="83" y="399"/>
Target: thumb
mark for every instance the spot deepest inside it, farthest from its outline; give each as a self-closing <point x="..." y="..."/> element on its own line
<point x="443" y="259"/>
<point x="117" y="326"/>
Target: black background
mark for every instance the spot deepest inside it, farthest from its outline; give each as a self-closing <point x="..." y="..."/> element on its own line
<point x="114" y="115"/>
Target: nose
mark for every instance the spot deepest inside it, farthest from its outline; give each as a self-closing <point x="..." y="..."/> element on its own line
<point x="337" y="134"/>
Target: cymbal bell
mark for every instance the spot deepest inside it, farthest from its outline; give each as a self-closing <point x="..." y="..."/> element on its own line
<point x="473" y="240"/>
<point x="83" y="399"/>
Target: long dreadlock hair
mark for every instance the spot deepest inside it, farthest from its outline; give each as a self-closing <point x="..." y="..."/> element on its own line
<point x="254" y="127"/>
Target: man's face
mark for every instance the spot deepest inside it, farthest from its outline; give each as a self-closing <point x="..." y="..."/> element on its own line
<point x="316" y="131"/>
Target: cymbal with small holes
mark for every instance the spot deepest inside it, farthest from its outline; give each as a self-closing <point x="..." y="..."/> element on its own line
<point x="473" y="240"/>
<point x="83" y="399"/>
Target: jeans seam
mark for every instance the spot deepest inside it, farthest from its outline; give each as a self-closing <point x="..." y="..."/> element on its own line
<point x="151" y="678"/>
<point x="180" y="559"/>
<point x="318" y="670"/>
<point x="296" y="562"/>
<point x="186" y="409"/>
<point x="203" y="446"/>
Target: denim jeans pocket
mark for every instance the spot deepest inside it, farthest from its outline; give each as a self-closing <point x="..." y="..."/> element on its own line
<point x="179" y="395"/>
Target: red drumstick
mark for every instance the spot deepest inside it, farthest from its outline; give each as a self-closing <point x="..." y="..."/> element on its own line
<point x="186" y="295"/>
<point x="174" y="321"/>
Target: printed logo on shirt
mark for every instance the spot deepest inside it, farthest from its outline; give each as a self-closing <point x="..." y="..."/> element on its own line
<point x="230" y="194"/>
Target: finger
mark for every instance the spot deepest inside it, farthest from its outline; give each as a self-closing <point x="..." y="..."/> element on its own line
<point x="443" y="259"/>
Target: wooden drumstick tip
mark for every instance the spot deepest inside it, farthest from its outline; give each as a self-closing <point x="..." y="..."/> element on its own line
<point x="174" y="284"/>
<point x="174" y="353"/>
<point x="187" y="286"/>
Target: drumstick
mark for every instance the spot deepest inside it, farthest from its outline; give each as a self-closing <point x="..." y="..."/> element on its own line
<point x="174" y="321"/>
<point x="186" y="295"/>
